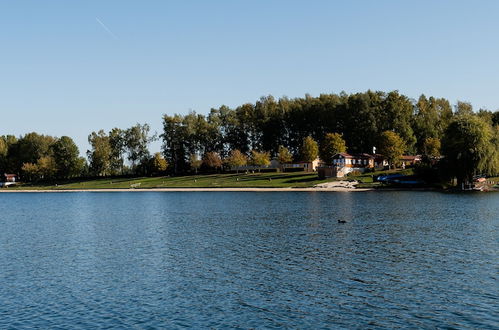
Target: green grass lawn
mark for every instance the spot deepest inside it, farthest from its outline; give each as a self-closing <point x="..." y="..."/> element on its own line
<point x="231" y="180"/>
<point x="256" y="180"/>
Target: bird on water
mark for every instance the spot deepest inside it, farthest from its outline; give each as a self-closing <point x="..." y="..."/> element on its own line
<point x="342" y="221"/>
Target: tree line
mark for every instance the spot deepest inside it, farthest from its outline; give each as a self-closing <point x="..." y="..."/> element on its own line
<point x="270" y="123"/>
<point x="38" y="157"/>
<point x="330" y="123"/>
<point x="289" y="129"/>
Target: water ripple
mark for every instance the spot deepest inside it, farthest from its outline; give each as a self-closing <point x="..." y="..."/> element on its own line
<point x="249" y="260"/>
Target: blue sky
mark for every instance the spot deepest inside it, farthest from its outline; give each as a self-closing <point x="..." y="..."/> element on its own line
<point x="62" y="72"/>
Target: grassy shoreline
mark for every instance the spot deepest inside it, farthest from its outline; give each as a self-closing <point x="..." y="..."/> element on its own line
<point x="232" y="180"/>
<point x="295" y="181"/>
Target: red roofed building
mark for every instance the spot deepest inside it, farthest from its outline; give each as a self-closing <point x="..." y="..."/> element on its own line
<point x="407" y="161"/>
<point x="344" y="163"/>
<point x="8" y="179"/>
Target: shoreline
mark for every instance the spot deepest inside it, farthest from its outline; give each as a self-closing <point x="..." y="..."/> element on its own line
<point x="335" y="189"/>
<point x="249" y="189"/>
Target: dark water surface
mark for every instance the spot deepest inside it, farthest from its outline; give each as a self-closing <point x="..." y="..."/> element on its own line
<point x="246" y="259"/>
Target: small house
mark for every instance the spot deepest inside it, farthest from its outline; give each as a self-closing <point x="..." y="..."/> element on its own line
<point x="344" y="163"/>
<point x="8" y="179"/>
<point x="303" y="166"/>
<point x="357" y="161"/>
<point x="408" y="161"/>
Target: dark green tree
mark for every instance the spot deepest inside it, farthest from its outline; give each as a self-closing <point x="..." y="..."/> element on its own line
<point x="117" y="141"/>
<point x="7" y="145"/>
<point x="100" y="155"/>
<point x="397" y="113"/>
<point x="233" y="131"/>
<point x="360" y="129"/>
<point x="67" y="158"/>
<point x="495" y="118"/>
<point x="28" y="149"/>
<point x="174" y="143"/>
<point x="137" y="139"/>
<point x="470" y="148"/>
<point x="332" y="144"/>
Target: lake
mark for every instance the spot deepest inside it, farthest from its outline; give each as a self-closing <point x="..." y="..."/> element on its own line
<point x="249" y="260"/>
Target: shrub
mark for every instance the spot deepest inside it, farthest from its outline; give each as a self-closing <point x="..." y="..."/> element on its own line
<point x="354" y="173"/>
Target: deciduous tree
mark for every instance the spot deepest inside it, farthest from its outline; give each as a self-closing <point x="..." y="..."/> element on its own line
<point x="29" y="148"/>
<point x="66" y="158"/>
<point x="236" y="159"/>
<point x="284" y="156"/>
<point x="117" y="140"/>
<point x="47" y="167"/>
<point x="212" y="160"/>
<point x="174" y="142"/>
<point x="260" y="158"/>
<point x="391" y="146"/>
<point x="136" y="143"/>
<point x="470" y="147"/>
<point x="100" y="155"/>
<point x="463" y="108"/>
<point x="158" y="164"/>
<point x="195" y="162"/>
<point x="309" y="149"/>
<point x="29" y="172"/>
<point x="332" y="144"/>
<point x="432" y="147"/>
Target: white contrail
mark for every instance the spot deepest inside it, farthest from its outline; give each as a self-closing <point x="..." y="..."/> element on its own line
<point x="106" y="28"/>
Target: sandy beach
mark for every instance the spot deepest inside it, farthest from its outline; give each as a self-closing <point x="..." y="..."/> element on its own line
<point x="337" y="186"/>
<point x="337" y="189"/>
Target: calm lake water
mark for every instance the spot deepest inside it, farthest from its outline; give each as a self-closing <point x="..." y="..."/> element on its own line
<point x="249" y="260"/>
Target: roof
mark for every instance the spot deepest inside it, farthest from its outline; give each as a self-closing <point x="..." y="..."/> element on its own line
<point x="350" y="156"/>
<point x="344" y="154"/>
<point x="376" y="156"/>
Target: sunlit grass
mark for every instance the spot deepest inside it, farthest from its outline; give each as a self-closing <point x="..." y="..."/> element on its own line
<point x="226" y="180"/>
<point x="232" y="180"/>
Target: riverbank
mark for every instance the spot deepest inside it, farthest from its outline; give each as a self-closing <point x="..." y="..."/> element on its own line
<point x="257" y="182"/>
<point x="187" y="190"/>
<point x="311" y="189"/>
<point x="205" y="181"/>
<point x="327" y="186"/>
